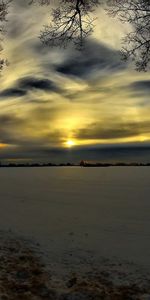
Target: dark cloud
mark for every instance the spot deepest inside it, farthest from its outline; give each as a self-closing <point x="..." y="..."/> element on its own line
<point x="132" y="153"/>
<point x="141" y="85"/>
<point x="93" y="58"/>
<point x="8" y="119"/>
<point x="8" y="124"/>
<point x="13" y="92"/>
<point x="29" y="83"/>
<point x="140" y="89"/>
<point x="31" y="129"/>
<point x="114" y="131"/>
<point x="26" y="84"/>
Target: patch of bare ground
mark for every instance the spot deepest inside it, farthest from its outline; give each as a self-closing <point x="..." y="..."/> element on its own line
<point x="24" y="277"/>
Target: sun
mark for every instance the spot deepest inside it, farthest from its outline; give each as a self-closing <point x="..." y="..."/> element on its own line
<point x="70" y="143"/>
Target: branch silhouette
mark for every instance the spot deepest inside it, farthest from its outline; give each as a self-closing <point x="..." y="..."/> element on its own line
<point x="136" y="44"/>
<point x="72" y="22"/>
<point x="3" y="13"/>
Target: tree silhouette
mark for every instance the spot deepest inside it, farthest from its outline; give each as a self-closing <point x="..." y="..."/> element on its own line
<point x="3" y="13"/>
<point x="71" y="22"/>
<point x="136" y="44"/>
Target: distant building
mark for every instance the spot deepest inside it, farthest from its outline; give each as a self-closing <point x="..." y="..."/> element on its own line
<point x="82" y="163"/>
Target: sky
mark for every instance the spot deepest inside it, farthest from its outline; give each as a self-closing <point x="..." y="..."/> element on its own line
<point x="64" y="105"/>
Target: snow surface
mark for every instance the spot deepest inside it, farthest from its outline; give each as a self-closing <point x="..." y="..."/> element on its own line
<point x="80" y="216"/>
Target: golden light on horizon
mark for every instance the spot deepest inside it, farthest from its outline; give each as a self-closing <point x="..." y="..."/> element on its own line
<point x="88" y="142"/>
<point x="70" y="143"/>
<point x="2" y="145"/>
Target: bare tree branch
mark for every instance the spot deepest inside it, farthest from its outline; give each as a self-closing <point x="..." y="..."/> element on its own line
<point x="136" y="45"/>
<point x="4" y="4"/>
<point x="71" y="22"/>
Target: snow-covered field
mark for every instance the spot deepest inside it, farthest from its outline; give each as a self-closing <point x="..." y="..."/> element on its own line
<point x="80" y="217"/>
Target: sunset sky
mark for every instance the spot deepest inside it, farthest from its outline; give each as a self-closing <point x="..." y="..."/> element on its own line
<point x="66" y="105"/>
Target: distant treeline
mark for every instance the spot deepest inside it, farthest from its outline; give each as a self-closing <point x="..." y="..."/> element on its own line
<point x="117" y="164"/>
<point x="81" y="164"/>
<point x="18" y="165"/>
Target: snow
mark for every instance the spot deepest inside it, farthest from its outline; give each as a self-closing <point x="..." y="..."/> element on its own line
<point x="80" y="216"/>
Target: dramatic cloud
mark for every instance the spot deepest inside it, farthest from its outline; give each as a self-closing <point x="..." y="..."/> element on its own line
<point x="13" y="92"/>
<point x="29" y="83"/>
<point x="49" y="96"/>
<point x="30" y="129"/>
<point x="140" y="89"/>
<point x="142" y="85"/>
<point x="94" y="58"/>
<point x="117" y="130"/>
<point x="25" y="85"/>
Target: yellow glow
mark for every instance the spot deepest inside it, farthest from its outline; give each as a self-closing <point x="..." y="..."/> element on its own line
<point x="3" y="145"/>
<point x="70" y="143"/>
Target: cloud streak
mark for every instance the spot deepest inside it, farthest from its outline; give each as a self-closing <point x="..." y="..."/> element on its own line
<point x="115" y="131"/>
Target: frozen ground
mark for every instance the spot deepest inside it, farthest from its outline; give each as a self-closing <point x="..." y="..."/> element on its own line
<point x="85" y="221"/>
<point x="24" y="276"/>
